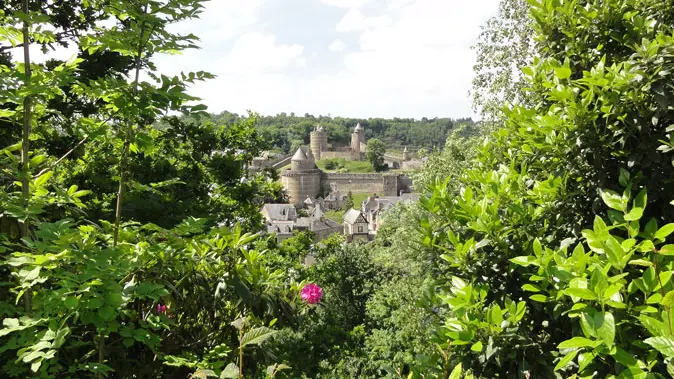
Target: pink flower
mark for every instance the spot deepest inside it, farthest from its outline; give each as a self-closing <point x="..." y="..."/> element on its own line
<point x="312" y="293"/>
<point x="161" y="308"/>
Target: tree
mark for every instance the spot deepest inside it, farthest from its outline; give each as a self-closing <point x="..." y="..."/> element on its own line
<point x="348" y="204"/>
<point x="568" y="206"/>
<point x="505" y="45"/>
<point x="375" y="153"/>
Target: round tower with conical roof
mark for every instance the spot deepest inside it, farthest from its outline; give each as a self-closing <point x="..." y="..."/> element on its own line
<point x="357" y="138"/>
<point x="303" y="179"/>
<point x="318" y="141"/>
<point x="406" y="154"/>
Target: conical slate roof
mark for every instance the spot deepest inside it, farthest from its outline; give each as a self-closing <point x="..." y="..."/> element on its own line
<point x="359" y="128"/>
<point x="299" y="155"/>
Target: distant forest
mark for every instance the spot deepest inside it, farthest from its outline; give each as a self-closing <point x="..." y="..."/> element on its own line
<point x="286" y="132"/>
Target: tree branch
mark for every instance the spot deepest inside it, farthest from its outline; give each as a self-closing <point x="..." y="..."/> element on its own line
<point x="60" y="159"/>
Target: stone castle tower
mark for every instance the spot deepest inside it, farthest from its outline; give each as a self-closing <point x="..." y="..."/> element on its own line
<point x="303" y="179"/>
<point x="357" y="138"/>
<point x="318" y="142"/>
<point x="406" y="154"/>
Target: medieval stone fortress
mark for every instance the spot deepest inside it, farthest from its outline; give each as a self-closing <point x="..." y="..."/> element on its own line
<point x="304" y="179"/>
<point x="312" y="191"/>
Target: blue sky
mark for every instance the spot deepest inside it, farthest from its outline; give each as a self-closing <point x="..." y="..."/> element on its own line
<point x="350" y="58"/>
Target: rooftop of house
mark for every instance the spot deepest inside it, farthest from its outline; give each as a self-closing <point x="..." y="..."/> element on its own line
<point x="351" y="216"/>
<point x="281" y="227"/>
<point x="279" y="212"/>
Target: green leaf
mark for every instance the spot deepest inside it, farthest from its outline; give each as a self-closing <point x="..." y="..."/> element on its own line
<point x="582" y="293"/>
<point x="42" y="179"/>
<point x="613" y="200"/>
<point x="577" y="342"/>
<point x="605" y="327"/>
<point x="496" y="315"/>
<point x="667" y="250"/>
<point x="524" y="260"/>
<point x="106" y="313"/>
<point x="231" y="371"/>
<point x="456" y="373"/>
<point x="668" y="300"/>
<point x="614" y="252"/>
<point x="562" y="73"/>
<point x="538" y="249"/>
<point x="477" y="346"/>
<point x="256" y="336"/>
<point x="663" y="232"/>
<point x="566" y="360"/>
<point x="664" y="345"/>
<point x="584" y="360"/>
<point x="204" y="374"/>
<point x="634" y="214"/>
<point x="539" y="298"/>
<point x="531" y="288"/>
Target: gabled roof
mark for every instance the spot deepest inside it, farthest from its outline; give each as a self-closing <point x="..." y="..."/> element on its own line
<point x="318" y="212"/>
<point x="279" y="212"/>
<point x="280" y="227"/>
<point x="299" y="155"/>
<point x="352" y="216"/>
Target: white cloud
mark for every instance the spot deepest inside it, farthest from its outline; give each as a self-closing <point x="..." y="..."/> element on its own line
<point x="346" y="3"/>
<point x="412" y="59"/>
<point x="418" y="65"/>
<point x="337" y="46"/>
<point x="355" y="21"/>
<point x="256" y="53"/>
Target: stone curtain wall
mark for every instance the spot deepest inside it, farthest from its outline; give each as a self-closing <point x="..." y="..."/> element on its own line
<point x="381" y="184"/>
<point x="348" y="155"/>
<point x="356" y="183"/>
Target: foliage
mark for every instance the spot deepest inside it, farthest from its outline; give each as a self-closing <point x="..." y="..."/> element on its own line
<point x="375" y="153"/>
<point x="505" y="45"/>
<point x="587" y="130"/>
<point x="343" y="165"/>
<point x="458" y="154"/>
<point x="286" y="132"/>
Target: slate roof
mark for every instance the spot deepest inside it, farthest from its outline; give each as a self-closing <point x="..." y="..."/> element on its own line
<point x="280" y="227"/>
<point x="279" y="212"/>
<point x="352" y="215"/>
<point x="299" y="155"/>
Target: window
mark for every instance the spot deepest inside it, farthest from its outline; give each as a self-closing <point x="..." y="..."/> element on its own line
<point x="360" y="229"/>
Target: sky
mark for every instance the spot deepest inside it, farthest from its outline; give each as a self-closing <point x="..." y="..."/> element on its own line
<point x="348" y="58"/>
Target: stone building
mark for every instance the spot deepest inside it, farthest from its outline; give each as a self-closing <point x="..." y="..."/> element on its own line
<point x="283" y="220"/>
<point x="406" y="155"/>
<point x="355" y="226"/>
<point x="358" y="139"/>
<point x="318" y="142"/>
<point x="303" y="179"/>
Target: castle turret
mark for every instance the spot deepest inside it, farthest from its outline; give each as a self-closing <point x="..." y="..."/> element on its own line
<point x="303" y="179"/>
<point x="318" y="142"/>
<point x="406" y="154"/>
<point x="357" y="138"/>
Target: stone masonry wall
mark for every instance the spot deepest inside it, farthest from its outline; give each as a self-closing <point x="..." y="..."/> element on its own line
<point x="356" y="183"/>
<point x="348" y="155"/>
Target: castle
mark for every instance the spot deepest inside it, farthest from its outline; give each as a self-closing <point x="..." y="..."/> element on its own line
<point x="304" y="180"/>
<point x="319" y="145"/>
